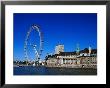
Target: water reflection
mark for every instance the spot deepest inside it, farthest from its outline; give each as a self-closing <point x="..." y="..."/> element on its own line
<point x="42" y="70"/>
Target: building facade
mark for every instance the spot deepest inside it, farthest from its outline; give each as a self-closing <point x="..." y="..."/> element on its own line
<point x="59" y="48"/>
<point x="86" y="58"/>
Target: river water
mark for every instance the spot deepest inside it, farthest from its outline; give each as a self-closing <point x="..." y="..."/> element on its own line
<point x="42" y="70"/>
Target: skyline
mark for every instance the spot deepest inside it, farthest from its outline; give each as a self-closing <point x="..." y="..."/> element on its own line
<point x="58" y="28"/>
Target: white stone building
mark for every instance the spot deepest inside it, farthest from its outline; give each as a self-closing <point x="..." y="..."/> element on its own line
<point x="59" y="48"/>
<point x="86" y="58"/>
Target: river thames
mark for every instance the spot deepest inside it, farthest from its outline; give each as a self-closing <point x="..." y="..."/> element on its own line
<point x="42" y="70"/>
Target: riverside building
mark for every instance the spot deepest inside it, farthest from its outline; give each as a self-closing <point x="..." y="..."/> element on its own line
<point x="78" y="59"/>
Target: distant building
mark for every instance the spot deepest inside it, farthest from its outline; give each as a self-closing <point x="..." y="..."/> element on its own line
<point x="90" y="50"/>
<point x="59" y="48"/>
<point x="77" y="49"/>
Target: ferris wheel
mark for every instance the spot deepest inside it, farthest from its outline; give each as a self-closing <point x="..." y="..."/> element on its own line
<point x="37" y="49"/>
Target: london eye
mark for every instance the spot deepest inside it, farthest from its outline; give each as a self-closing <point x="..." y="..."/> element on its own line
<point x="37" y="49"/>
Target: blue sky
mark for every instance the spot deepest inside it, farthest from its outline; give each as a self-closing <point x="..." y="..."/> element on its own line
<point x="57" y="28"/>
